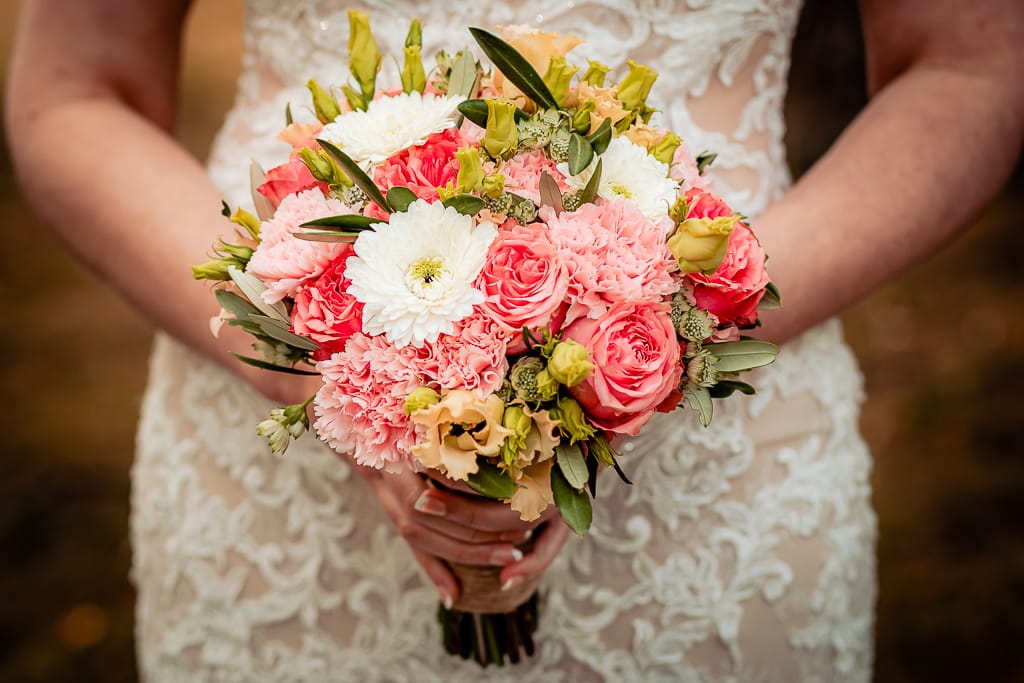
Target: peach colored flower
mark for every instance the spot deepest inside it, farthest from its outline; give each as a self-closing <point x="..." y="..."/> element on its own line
<point x="636" y="359"/>
<point x="300" y="135"/>
<point x="538" y="47"/>
<point x="613" y="254"/>
<point x="458" y="429"/>
<point x="606" y="105"/>
<point x="325" y="312"/>
<point x="533" y="494"/>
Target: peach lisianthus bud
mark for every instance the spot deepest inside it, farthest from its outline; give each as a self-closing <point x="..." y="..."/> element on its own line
<point x="459" y="428"/>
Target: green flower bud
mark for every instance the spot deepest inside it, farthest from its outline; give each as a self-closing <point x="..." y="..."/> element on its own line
<point x="250" y="223"/>
<point x="581" y="119"/>
<point x="524" y="378"/>
<point x="413" y="76"/>
<point x="363" y="55"/>
<point x="240" y="253"/>
<point x="557" y="78"/>
<point x="415" y="34"/>
<point x="636" y="86"/>
<point x="277" y="435"/>
<point x="324" y="103"/>
<point x="700" y="244"/>
<point x="471" y="170"/>
<point x="493" y="185"/>
<point x="501" y="138"/>
<point x="284" y="424"/>
<point x="558" y="148"/>
<point x="572" y="422"/>
<point x="595" y="73"/>
<point x="519" y="423"/>
<point x="599" y="447"/>
<point x="547" y="386"/>
<point x="570" y="363"/>
<point x="217" y="269"/>
<point x="701" y="370"/>
<point x="420" y="398"/>
<point x="355" y="99"/>
<point x="665" y="148"/>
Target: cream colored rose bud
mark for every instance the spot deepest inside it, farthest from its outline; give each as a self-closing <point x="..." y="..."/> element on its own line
<point x="700" y="244"/>
<point x="570" y="363"/>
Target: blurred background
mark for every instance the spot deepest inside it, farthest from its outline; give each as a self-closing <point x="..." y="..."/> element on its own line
<point x="942" y="350"/>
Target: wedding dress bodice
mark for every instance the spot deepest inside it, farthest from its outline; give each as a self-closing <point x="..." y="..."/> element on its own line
<point x="743" y="552"/>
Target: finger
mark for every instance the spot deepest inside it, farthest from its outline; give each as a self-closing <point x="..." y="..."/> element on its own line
<point x="550" y="539"/>
<point x="452" y="550"/>
<point x="441" y="576"/>
<point x="472" y="511"/>
<point x="460" y="532"/>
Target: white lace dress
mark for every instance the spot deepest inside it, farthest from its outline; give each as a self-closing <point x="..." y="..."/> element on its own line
<point x="744" y="552"/>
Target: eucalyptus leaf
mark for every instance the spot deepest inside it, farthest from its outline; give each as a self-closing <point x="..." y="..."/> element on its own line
<point x="570" y="460"/>
<point x="581" y="153"/>
<point x="465" y="204"/>
<point x="253" y="289"/>
<point x="234" y="304"/>
<point x="515" y="68"/>
<point x="357" y="174"/>
<point x="463" y="78"/>
<point x="700" y="400"/>
<point x="771" y="299"/>
<point x="264" y="365"/>
<point x="328" y="237"/>
<point x="573" y="505"/>
<point x="589" y="192"/>
<point x="601" y="137"/>
<point x="745" y="354"/>
<point x="346" y="222"/>
<point x="264" y="207"/>
<point x="489" y="480"/>
<point x="279" y="331"/>
<point x="550" y="195"/>
<point x="727" y="387"/>
<point x="401" y="197"/>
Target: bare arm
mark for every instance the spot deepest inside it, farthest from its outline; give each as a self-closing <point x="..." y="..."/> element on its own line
<point x="937" y="140"/>
<point x="90" y="113"/>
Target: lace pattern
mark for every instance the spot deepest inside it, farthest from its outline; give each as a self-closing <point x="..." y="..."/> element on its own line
<point x="744" y="552"/>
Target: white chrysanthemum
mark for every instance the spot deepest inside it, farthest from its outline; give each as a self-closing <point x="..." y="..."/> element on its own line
<point x="415" y="274"/>
<point x="629" y="172"/>
<point x="391" y="124"/>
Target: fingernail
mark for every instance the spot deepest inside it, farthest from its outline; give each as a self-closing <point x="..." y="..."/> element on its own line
<point x="429" y="506"/>
<point x="517" y="554"/>
<point x="511" y="583"/>
<point x="506" y="556"/>
<point x="446" y="600"/>
<point x="528" y="535"/>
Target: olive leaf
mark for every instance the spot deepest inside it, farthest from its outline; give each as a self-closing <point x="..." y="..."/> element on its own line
<point x="357" y="174"/>
<point x="463" y="77"/>
<point x="253" y="289"/>
<point x="569" y="458"/>
<point x="328" y="237"/>
<point x="465" y="204"/>
<point x="727" y="387"/>
<point x="279" y="330"/>
<point x="400" y="198"/>
<point x="771" y="299"/>
<point x="573" y="505"/>
<point x="550" y="195"/>
<point x="581" y="153"/>
<point x="491" y="481"/>
<point x="700" y="400"/>
<point x="589" y="192"/>
<point x="234" y="304"/>
<point x="600" y="138"/>
<point x="264" y="365"/>
<point x="740" y="355"/>
<point x="476" y="111"/>
<point x="345" y="222"/>
<point x="514" y="66"/>
<point x="264" y="207"/>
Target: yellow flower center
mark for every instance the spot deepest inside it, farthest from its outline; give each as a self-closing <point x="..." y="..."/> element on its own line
<point x="621" y="190"/>
<point x="422" y="275"/>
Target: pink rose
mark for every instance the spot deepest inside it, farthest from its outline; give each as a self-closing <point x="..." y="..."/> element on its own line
<point x="325" y="312"/>
<point x="423" y="168"/>
<point x="733" y="291"/>
<point x="703" y="203"/>
<point x="523" y="279"/>
<point x="287" y="179"/>
<point x="636" y="364"/>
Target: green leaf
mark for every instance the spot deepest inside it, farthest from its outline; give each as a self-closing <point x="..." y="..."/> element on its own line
<point x="225" y="210"/>
<point x="705" y="159"/>
<point x="581" y="153"/>
<point x="466" y="204"/>
<point x="279" y="331"/>
<point x="329" y="237"/>
<point x="700" y="400"/>
<point x="264" y="207"/>
<point x="593" y="469"/>
<point x="570" y="460"/>
<point x="515" y="67"/>
<point x="727" y="387"/>
<point x="234" y="304"/>
<point x="573" y="505"/>
<point x="345" y="222"/>
<point x="257" y="363"/>
<point x="357" y="174"/>
<point x="745" y="354"/>
<point x="401" y="197"/>
<point x="600" y="138"/>
<point x="550" y="195"/>
<point x="288" y="114"/>
<point x="463" y="77"/>
<point x="253" y="289"/>
<point x="771" y="299"/>
<point x="491" y="481"/>
<point x="476" y="111"/>
<point x="589" y="192"/>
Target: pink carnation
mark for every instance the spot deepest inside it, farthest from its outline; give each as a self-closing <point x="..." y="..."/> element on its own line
<point x="734" y="290"/>
<point x="523" y="171"/>
<point x="423" y="168"/>
<point x="523" y="278"/>
<point x="282" y="260"/>
<point x="325" y="312"/>
<point x="613" y="254"/>
<point x="360" y="407"/>
<point x="635" y="354"/>
<point x="472" y="357"/>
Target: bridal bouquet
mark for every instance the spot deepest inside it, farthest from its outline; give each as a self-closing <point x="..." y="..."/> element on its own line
<point x="495" y="271"/>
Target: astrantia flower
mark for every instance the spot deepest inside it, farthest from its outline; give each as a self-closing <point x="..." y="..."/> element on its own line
<point x="415" y="274"/>
<point x="391" y="124"/>
<point x="629" y="172"/>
